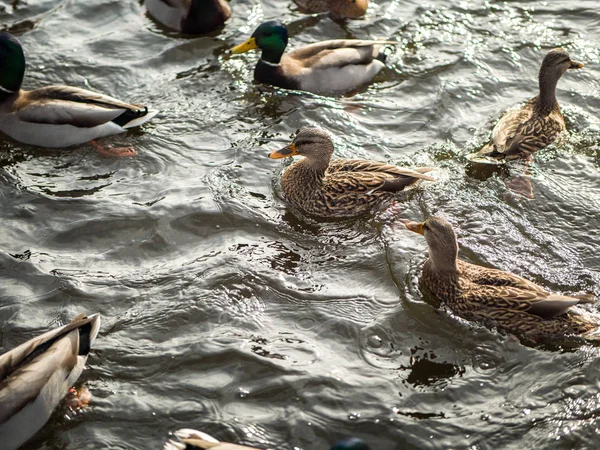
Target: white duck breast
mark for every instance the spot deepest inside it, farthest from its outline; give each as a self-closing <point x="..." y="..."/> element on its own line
<point x="36" y="375"/>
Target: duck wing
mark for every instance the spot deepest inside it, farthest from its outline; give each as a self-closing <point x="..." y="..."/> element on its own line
<point x="193" y="439"/>
<point x="336" y="53"/>
<point x="360" y="165"/>
<point x="61" y="105"/>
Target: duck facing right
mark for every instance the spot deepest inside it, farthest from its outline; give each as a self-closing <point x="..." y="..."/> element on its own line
<point x="494" y="297"/>
<point x="521" y="132"/>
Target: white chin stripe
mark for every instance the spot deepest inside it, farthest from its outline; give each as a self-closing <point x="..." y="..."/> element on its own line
<point x="8" y="91"/>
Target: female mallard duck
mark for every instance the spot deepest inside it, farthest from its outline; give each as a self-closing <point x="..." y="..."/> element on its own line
<point x="36" y="375"/>
<point x="522" y="132"/>
<point x="192" y="439"/>
<point x="190" y="16"/>
<point x="352" y="9"/>
<point x="57" y="116"/>
<point x="324" y="67"/>
<point x="339" y="188"/>
<point x="493" y="296"/>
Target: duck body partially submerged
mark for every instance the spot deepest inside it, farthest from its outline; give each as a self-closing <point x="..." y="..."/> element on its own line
<point x="190" y="16"/>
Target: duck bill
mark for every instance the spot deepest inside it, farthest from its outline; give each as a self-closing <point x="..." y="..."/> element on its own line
<point x="250" y="44"/>
<point x="415" y="227"/>
<point x="288" y="150"/>
<point x="576" y="65"/>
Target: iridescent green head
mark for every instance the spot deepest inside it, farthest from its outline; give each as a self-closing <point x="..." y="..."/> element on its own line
<point x="271" y="37"/>
<point x="351" y="444"/>
<point x="12" y="64"/>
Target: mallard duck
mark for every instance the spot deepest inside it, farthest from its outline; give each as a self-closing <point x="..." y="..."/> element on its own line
<point x="521" y="132"/>
<point x="36" y="375"/>
<point x="493" y="296"/>
<point x="324" y="67"/>
<point x="342" y="187"/>
<point x="352" y="9"/>
<point x="57" y="116"/>
<point x="190" y="16"/>
<point x="188" y="439"/>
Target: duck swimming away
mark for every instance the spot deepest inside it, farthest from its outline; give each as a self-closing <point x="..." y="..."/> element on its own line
<point x="522" y="132"/>
<point x="190" y="16"/>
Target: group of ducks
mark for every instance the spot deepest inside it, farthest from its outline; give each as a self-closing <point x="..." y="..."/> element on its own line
<point x="36" y="375"/>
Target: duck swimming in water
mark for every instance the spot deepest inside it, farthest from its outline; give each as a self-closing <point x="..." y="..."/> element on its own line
<point x="493" y="296"/>
<point x="522" y="132"/>
<point x="57" y="116"/>
<point x="325" y="67"/>
<point x="190" y="16"/>
<point x="339" y="188"/>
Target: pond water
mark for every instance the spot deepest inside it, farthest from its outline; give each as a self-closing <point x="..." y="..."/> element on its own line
<point x="225" y="311"/>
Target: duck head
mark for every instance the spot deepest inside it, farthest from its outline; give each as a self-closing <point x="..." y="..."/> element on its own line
<point x="351" y="444"/>
<point x="271" y="37"/>
<point x="441" y="240"/>
<point x="12" y="64"/>
<point x="312" y="143"/>
<point x="556" y="62"/>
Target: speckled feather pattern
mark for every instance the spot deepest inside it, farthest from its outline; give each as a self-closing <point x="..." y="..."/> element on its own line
<point x="500" y="299"/>
<point x="348" y="188"/>
<point x="524" y="131"/>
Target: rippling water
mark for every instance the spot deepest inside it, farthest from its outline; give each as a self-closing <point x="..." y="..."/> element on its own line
<point x="223" y="310"/>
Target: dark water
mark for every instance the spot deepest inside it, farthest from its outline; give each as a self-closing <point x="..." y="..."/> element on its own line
<point x="225" y="312"/>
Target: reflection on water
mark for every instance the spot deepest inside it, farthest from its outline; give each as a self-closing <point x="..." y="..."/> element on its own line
<point x="227" y="311"/>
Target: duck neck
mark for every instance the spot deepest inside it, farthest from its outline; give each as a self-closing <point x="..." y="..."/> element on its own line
<point x="546" y="101"/>
<point x="444" y="259"/>
<point x="272" y="55"/>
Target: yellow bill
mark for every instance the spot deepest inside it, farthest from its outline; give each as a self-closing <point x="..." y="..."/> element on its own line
<point x="288" y="150"/>
<point x="250" y="44"/>
<point x="416" y="227"/>
<point x="576" y="65"/>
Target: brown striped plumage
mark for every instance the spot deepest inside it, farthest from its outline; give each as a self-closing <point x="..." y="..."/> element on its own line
<point x="521" y="132"/>
<point x="352" y="9"/>
<point x="492" y="296"/>
<point x="340" y="188"/>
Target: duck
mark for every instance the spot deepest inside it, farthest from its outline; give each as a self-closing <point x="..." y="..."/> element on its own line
<point x="341" y="188"/>
<point x="351" y="9"/>
<point x="190" y="16"/>
<point x="538" y="122"/>
<point x="188" y="439"/>
<point x="494" y="297"/>
<point x="326" y="67"/>
<point x="36" y="375"/>
<point x="57" y="116"/>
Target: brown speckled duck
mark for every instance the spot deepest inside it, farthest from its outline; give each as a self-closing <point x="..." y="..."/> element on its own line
<point x="521" y="132"/>
<point x="340" y="188"/>
<point x="352" y="9"/>
<point x="493" y="296"/>
<point x="190" y="16"/>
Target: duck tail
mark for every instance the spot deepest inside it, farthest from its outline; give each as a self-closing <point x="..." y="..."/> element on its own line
<point x="135" y="117"/>
<point x="408" y="177"/>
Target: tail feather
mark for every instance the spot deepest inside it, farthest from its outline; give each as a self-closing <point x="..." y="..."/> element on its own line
<point x="134" y="118"/>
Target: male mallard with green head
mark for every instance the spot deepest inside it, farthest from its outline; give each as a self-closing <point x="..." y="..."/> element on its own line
<point x="341" y="188"/>
<point x="36" y="375"/>
<point x="351" y="9"/>
<point x="522" y="132"/>
<point x="57" y="116"/>
<point x="190" y="16"/>
<point x="325" y="67"/>
<point x="493" y="296"/>
<point x="188" y="439"/>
